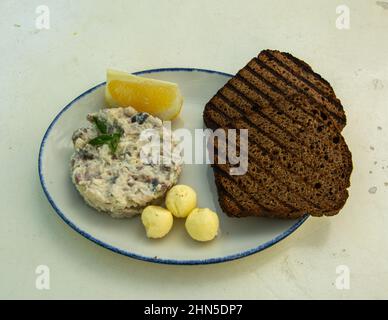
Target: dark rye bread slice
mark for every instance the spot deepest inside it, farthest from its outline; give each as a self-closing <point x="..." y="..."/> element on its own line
<point x="298" y="161"/>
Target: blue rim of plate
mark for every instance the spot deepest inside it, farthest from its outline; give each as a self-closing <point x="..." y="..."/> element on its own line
<point x="88" y="236"/>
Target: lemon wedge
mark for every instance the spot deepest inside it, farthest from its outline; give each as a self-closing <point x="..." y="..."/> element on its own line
<point x="159" y="98"/>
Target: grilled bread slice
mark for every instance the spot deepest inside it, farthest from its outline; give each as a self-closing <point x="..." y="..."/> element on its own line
<point x="298" y="161"/>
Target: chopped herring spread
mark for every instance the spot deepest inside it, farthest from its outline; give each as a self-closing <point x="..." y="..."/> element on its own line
<point x="108" y="166"/>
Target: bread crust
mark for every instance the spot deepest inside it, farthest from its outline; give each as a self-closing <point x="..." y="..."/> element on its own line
<point x="298" y="160"/>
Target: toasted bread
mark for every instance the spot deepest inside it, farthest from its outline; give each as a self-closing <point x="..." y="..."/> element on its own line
<point x="298" y="161"/>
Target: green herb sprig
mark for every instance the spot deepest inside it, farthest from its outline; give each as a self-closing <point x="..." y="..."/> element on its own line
<point x="101" y="125"/>
<point x="112" y="140"/>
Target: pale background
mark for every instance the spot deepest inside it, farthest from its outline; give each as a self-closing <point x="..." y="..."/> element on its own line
<point x="42" y="70"/>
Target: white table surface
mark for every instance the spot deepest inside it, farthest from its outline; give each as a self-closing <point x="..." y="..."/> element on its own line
<point x="42" y="70"/>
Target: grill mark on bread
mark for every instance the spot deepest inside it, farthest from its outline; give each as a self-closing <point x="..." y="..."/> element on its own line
<point x="262" y="198"/>
<point x="283" y="174"/>
<point x="268" y="174"/>
<point x="239" y="80"/>
<point x="231" y="84"/>
<point x="294" y="124"/>
<point x="273" y="62"/>
<point x="309" y="129"/>
<point x="254" y="106"/>
<point x="311" y="175"/>
<point x="307" y="75"/>
<point x="233" y="188"/>
<point x="279" y="110"/>
<point x="275" y="89"/>
<point x="224" y="192"/>
<point x="263" y="133"/>
<point x="256" y="110"/>
<point x="233" y="209"/>
<point x="283" y="132"/>
<point x="219" y="170"/>
<point x="237" y="179"/>
<point x="290" y="207"/>
<point x="303" y="69"/>
<point x="230" y="206"/>
<point x="312" y="210"/>
<point x="253" y="198"/>
<point x="298" y="211"/>
<point x="256" y="127"/>
<point x="290" y="114"/>
<point x="226" y="108"/>
<point x="288" y="85"/>
<point x="221" y="94"/>
<point x="256" y="76"/>
<point x="297" y="203"/>
<point x="270" y="99"/>
<point x="227" y="203"/>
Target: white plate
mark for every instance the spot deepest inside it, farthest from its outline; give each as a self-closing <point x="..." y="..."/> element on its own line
<point x="237" y="238"/>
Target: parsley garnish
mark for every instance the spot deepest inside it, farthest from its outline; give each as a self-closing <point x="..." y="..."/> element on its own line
<point x="112" y="140"/>
<point x="100" y="124"/>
